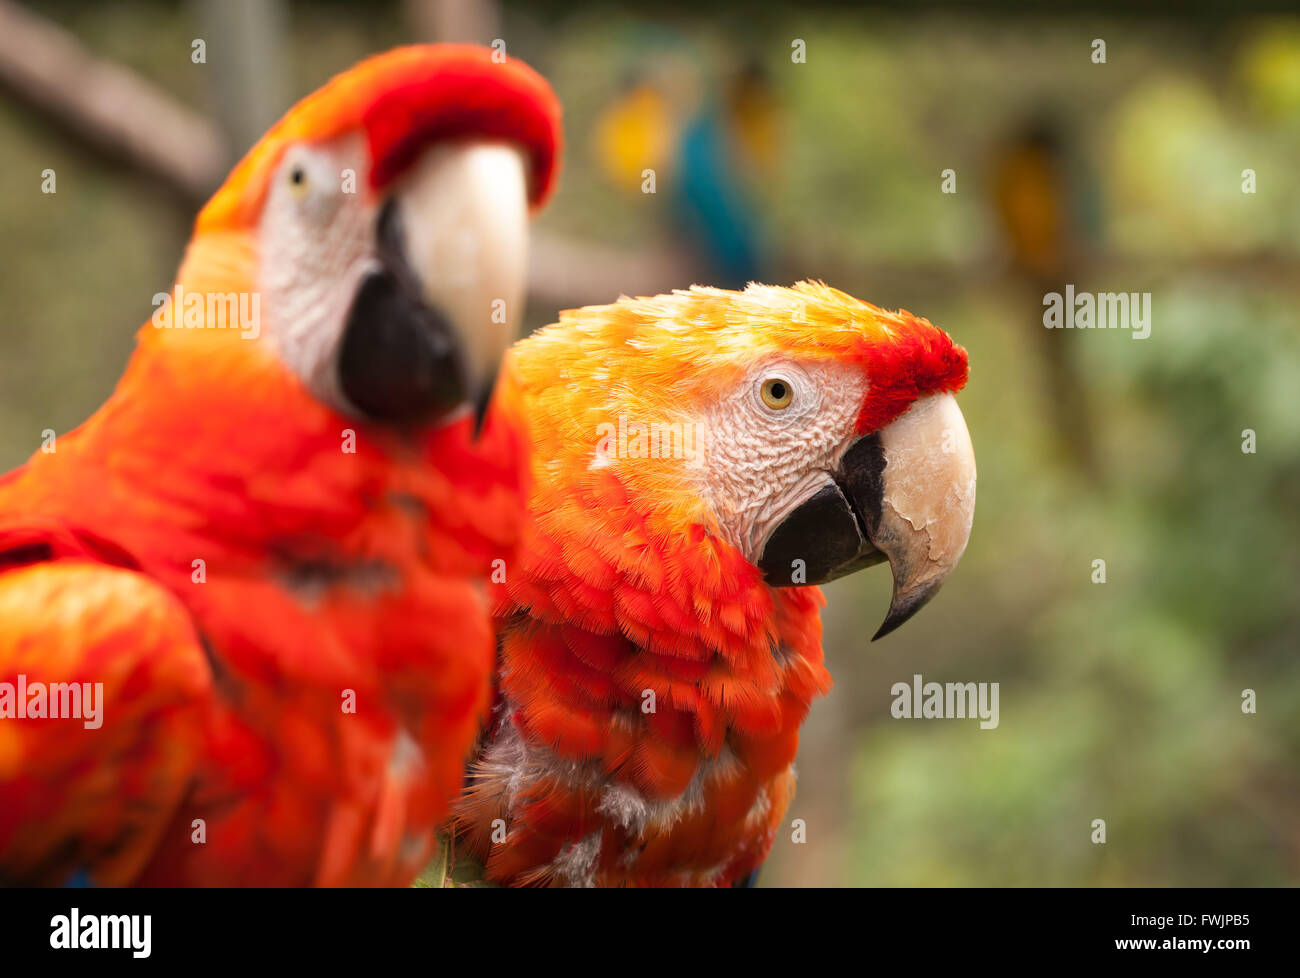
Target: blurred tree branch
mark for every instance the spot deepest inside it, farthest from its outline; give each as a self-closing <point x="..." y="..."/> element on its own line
<point x="110" y="108"/>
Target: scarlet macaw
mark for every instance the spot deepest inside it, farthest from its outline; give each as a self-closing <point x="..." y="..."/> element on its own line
<point x="267" y="550"/>
<point x="700" y="461"/>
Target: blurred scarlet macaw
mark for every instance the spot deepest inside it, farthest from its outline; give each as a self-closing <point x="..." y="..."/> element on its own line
<point x="267" y="550"/>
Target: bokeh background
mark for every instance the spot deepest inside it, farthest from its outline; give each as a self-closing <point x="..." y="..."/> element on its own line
<point x="1120" y="700"/>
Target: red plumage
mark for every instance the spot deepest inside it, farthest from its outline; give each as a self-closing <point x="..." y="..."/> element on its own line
<point x="284" y="603"/>
<point x="651" y="681"/>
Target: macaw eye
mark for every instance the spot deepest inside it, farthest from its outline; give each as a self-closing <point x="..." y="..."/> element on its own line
<point x="298" y="181"/>
<point x="777" y="393"/>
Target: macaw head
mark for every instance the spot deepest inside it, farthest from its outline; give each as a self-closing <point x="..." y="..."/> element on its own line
<point x="382" y="227"/>
<point x="809" y="432"/>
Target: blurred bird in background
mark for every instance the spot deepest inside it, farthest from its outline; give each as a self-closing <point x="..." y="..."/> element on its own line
<point x="1044" y="208"/>
<point x="712" y="139"/>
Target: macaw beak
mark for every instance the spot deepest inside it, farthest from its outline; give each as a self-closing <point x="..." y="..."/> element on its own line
<point x="430" y="322"/>
<point x="905" y="494"/>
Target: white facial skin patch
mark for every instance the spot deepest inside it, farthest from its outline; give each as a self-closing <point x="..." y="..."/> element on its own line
<point x="761" y="463"/>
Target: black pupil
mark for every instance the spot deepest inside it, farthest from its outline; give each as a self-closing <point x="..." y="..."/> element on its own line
<point x="778" y="391"/>
<point x="297" y="175"/>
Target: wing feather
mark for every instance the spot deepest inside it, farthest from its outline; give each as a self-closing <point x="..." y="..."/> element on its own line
<point x="90" y="795"/>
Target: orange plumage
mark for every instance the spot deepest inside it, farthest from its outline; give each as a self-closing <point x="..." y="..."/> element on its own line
<point x="651" y="683"/>
<point x="283" y="602"/>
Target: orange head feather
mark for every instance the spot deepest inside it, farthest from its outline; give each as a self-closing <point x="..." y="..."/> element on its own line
<point x="666" y="359"/>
